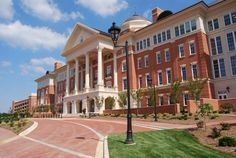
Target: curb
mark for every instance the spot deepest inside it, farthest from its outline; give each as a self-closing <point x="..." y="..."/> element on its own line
<point x="29" y="130"/>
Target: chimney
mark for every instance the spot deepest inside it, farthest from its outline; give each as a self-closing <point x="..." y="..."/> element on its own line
<point x="57" y="65"/>
<point x="155" y="13"/>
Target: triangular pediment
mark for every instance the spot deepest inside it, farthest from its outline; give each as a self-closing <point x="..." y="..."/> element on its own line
<point x="79" y="34"/>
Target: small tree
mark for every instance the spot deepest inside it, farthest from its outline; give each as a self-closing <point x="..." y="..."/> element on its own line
<point x="175" y="92"/>
<point x="204" y="110"/>
<point x="151" y="95"/>
<point x="99" y="102"/>
<point x="110" y="101"/>
<point x="195" y="87"/>
<point x="137" y="96"/>
<point x="122" y="99"/>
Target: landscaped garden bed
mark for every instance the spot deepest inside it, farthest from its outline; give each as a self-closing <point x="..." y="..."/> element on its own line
<point x="14" y="122"/>
<point x="165" y="143"/>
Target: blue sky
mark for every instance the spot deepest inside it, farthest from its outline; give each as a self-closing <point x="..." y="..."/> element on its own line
<point x="33" y="33"/>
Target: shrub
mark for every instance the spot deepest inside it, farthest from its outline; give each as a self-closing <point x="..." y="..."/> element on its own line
<point x="200" y="124"/>
<point x="145" y="116"/>
<point x="227" y="141"/>
<point x="213" y="116"/>
<point x="225" y="126"/>
<point x="190" y="114"/>
<point x="215" y="132"/>
<point x="11" y="124"/>
<point x="227" y="107"/>
<point x="117" y="115"/>
<point x="19" y="124"/>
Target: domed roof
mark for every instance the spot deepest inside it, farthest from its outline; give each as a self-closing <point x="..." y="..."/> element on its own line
<point x="164" y="14"/>
<point x="134" y="23"/>
<point x="135" y="17"/>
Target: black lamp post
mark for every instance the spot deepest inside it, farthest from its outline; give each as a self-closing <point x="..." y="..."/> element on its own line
<point x="155" y="101"/>
<point x="114" y="31"/>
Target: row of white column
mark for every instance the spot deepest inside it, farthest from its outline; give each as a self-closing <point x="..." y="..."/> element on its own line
<point x="100" y="81"/>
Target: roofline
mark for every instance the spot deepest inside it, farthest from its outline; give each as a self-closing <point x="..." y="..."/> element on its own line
<point x="193" y="5"/>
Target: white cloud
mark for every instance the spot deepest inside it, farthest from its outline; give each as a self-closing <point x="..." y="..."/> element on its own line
<point x="38" y="65"/>
<point x="25" y="36"/>
<point x="104" y="8"/>
<point x="5" y="63"/>
<point x="6" y="9"/>
<point x="48" y="10"/>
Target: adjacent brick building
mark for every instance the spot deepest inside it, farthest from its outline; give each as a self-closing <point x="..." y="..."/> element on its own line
<point x="25" y="105"/>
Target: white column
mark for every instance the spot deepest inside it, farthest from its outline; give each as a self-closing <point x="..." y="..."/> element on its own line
<point x="76" y="75"/>
<point x="115" y="71"/>
<point x="87" y="86"/>
<point x="64" y="108"/>
<point x="67" y="79"/>
<point x="100" y="65"/>
<point x="82" y="79"/>
<point x="74" y="110"/>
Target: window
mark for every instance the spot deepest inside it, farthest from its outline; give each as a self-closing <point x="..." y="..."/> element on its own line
<point x="193" y="24"/>
<point x="168" y="34"/>
<point x="148" y="42"/>
<point x="167" y="55"/>
<point x="181" y="51"/>
<point x="164" y="36"/>
<point x="159" y="77"/>
<point x="169" y="100"/>
<point x="137" y="46"/>
<point x="155" y="39"/>
<point x="124" y="67"/>
<point x="149" y="101"/>
<point x="168" y="76"/>
<point x="219" y="68"/>
<point x="210" y="25"/>
<point x="233" y="15"/>
<point x="148" y="81"/>
<point x="141" y="45"/>
<point x="140" y="81"/>
<point x="185" y="98"/>
<point x="159" y="38"/>
<point x="144" y="44"/>
<point x="216" y="23"/>
<point x="124" y="83"/>
<point x="187" y="27"/>
<point x="182" y="31"/>
<point x="230" y="40"/>
<point x="213" y="46"/>
<point x="146" y="61"/>
<point x="176" y="31"/>
<point x="194" y="71"/>
<point x="183" y="73"/>
<point x="139" y="63"/>
<point x="233" y="64"/>
<point x="219" y="45"/>
<point x="158" y="57"/>
<point x="108" y="71"/>
<point x="192" y="48"/>
<point x="161" y="100"/>
<point x="227" y="20"/>
<point x="72" y="72"/>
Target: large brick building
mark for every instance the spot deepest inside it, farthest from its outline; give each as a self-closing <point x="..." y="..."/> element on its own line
<point x="196" y="42"/>
<point x="25" y="105"/>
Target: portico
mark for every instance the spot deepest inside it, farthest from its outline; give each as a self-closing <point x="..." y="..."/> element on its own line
<point x="86" y="76"/>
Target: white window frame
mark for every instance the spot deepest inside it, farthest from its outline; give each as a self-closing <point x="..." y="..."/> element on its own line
<point x="140" y="76"/>
<point x="181" y="45"/>
<point x="124" y="62"/>
<point x="123" y="87"/>
<point x="167" y="50"/>
<point x="158" y="72"/>
<point x="158" y="53"/>
<point x="146" y="58"/>
<point x="146" y="81"/>
<point x="190" y="52"/>
<point x="159" y="101"/>
<point x="139" y="62"/>
<point x="194" y="63"/>
<point x="167" y="81"/>
<point x="181" y="66"/>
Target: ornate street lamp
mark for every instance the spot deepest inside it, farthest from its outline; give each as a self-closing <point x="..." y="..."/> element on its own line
<point x="114" y="31"/>
<point x="155" y="102"/>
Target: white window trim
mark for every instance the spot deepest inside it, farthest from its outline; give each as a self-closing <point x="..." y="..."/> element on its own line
<point x="147" y="74"/>
<point x="167" y="50"/>
<point x="167" y="69"/>
<point x="146" y="57"/>
<point x="139" y="60"/>
<point x="139" y="76"/>
<point x="123" y="78"/>
<point x="181" y="66"/>
<point x="181" y="45"/>
<point x="189" y="47"/>
<point x="159" y="71"/>
<point x="193" y="63"/>
<point x="156" y="57"/>
<point x="124" y="61"/>
<point x="185" y="92"/>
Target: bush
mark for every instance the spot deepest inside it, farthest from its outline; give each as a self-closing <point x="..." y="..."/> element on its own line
<point x="145" y="116"/>
<point x="213" y="116"/>
<point x="215" y="132"/>
<point x="11" y="124"/>
<point x="225" y="126"/>
<point x="190" y="114"/>
<point x="227" y="107"/>
<point x="19" y="124"/>
<point x="200" y="124"/>
<point x="227" y="141"/>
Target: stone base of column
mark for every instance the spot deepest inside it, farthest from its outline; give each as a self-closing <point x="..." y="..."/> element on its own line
<point x="100" y="87"/>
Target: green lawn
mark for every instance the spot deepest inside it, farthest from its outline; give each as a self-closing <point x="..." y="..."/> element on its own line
<point x="161" y="144"/>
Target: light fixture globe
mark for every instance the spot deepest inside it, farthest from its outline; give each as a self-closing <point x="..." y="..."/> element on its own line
<point x="114" y="31"/>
